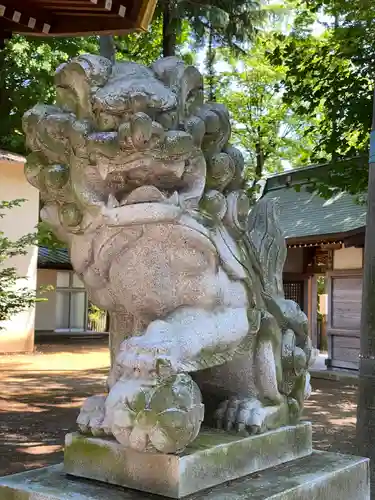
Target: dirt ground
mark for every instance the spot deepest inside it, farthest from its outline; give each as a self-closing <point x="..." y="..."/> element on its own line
<point x="40" y="395"/>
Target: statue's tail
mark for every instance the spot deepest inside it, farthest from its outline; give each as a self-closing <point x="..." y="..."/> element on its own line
<point x="266" y="245"/>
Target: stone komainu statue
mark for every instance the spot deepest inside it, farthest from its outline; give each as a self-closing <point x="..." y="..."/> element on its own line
<point x="138" y="177"/>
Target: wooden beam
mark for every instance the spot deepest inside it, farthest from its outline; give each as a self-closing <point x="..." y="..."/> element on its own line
<point x="66" y="17"/>
<point x="145" y="13"/>
<point x="331" y="246"/>
<point x="114" y="6"/>
<point x="34" y="20"/>
<point x="103" y="25"/>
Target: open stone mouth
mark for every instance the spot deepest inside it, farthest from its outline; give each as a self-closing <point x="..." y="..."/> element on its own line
<point x="143" y="194"/>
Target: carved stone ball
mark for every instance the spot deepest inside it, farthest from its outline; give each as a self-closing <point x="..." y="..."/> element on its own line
<point x="165" y="415"/>
<point x="56" y="176"/>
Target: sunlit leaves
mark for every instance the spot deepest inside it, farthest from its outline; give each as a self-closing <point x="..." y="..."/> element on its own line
<point x="270" y="134"/>
<point x="330" y="79"/>
<point x="13" y="298"/>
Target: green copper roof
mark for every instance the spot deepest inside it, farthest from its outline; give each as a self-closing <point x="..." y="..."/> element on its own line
<point x="304" y="214"/>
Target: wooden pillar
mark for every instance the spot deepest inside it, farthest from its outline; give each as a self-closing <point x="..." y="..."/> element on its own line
<point x="313" y="310"/>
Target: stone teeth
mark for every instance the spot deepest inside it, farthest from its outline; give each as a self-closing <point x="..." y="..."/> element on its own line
<point x="173" y="200"/>
<point x="112" y="202"/>
<point x="103" y="171"/>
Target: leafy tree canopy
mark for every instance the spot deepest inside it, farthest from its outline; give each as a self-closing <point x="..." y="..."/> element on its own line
<point x="329" y="79"/>
<point x="26" y="74"/>
<point x="232" y="22"/>
<point x="268" y="131"/>
<point x="27" y="67"/>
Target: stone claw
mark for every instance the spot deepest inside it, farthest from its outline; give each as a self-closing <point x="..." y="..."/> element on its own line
<point x="248" y="416"/>
<point x="91" y="417"/>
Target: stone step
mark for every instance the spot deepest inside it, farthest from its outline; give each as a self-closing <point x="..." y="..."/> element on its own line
<point x="320" y="476"/>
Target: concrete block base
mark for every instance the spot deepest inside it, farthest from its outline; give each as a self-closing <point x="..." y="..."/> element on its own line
<point x="214" y="458"/>
<point x="320" y="476"/>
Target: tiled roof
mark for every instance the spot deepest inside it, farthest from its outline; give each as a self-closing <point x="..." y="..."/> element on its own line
<point x="48" y="258"/>
<point x="304" y="214"/>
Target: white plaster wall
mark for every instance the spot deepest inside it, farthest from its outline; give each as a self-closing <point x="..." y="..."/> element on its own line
<point x="18" y="332"/>
<point x="348" y="258"/>
<point x="45" y="312"/>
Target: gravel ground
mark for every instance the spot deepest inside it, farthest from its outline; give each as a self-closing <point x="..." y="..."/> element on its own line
<point x="41" y="394"/>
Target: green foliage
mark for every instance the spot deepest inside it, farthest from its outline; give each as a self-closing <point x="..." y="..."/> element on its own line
<point x="264" y="127"/>
<point x="143" y="48"/>
<point x="27" y="67"/>
<point x="46" y="237"/>
<point x="232" y="22"/>
<point x="26" y="76"/>
<point x="330" y="79"/>
<point x="97" y="318"/>
<point x="294" y="97"/>
<point x="13" y="299"/>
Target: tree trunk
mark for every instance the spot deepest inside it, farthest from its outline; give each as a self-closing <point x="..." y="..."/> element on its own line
<point x="107" y="47"/>
<point x="259" y="158"/>
<point x="211" y="67"/>
<point x="334" y="135"/>
<point x="366" y="397"/>
<point x="169" y="29"/>
<point x="4" y="36"/>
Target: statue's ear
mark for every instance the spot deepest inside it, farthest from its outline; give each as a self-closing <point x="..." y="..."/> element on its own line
<point x="186" y="82"/>
<point x="77" y="79"/>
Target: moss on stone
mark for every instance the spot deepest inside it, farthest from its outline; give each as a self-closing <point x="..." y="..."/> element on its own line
<point x="86" y="448"/>
<point x="215" y="457"/>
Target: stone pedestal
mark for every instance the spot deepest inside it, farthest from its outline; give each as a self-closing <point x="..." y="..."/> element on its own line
<point x="320" y="476"/>
<point x="215" y="457"/>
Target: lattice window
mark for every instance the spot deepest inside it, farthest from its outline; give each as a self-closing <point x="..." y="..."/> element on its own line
<point x="294" y="291"/>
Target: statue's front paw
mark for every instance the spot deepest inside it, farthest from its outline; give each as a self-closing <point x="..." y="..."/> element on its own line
<point x="138" y="358"/>
<point x="91" y="417"/>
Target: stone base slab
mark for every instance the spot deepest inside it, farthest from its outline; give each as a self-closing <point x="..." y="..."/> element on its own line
<point x="320" y="476"/>
<point x="214" y="458"/>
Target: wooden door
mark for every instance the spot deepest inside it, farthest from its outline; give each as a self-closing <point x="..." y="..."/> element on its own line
<point x="344" y="318"/>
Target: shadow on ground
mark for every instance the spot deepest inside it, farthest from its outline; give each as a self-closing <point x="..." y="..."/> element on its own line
<point x="41" y="395"/>
<point x="332" y="409"/>
<point x="40" y="398"/>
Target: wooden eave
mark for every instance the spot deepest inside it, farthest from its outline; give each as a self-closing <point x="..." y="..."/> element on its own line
<point x="355" y="237"/>
<point x="74" y="17"/>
